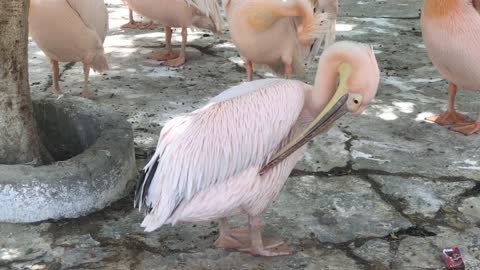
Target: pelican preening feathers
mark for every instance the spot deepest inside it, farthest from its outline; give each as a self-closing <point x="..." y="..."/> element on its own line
<point x="280" y="34"/>
<point x="234" y="155"/>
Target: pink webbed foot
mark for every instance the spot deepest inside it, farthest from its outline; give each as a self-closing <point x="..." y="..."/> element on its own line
<point x="175" y="62"/>
<point x="447" y="118"/>
<point x="233" y="238"/>
<point x="147" y="26"/>
<point x="271" y="247"/>
<point x="250" y="239"/>
<point x="466" y="128"/>
<point x="164" y="55"/>
<point x="130" y="25"/>
<point x="240" y="239"/>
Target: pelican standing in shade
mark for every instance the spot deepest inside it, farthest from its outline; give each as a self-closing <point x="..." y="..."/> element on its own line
<point x="280" y="34"/>
<point x="234" y="155"/>
<point x="451" y="32"/>
<point x="203" y="14"/>
<point x="70" y="30"/>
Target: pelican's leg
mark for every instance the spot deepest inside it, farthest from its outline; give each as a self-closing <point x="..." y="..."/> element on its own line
<point x="167" y="53"/>
<point x="149" y="25"/>
<point x="225" y="238"/>
<point x="467" y="128"/>
<point x="288" y="71"/>
<point x="450" y="116"/>
<point x="131" y="22"/>
<point x="55" y="77"/>
<point x="86" y="73"/>
<point x="180" y="60"/>
<point x="264" y="246"/>
<point x="330" y="36"/>
<point x="249" y="69"/>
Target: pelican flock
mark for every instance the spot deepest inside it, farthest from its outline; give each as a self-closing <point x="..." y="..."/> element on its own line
<point x="233" y="156"/>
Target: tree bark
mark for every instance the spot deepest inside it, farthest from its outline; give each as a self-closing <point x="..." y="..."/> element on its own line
<point x="19" y="139"/>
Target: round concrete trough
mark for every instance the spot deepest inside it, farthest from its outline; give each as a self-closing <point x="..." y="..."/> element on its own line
<point x="95" y="162"/>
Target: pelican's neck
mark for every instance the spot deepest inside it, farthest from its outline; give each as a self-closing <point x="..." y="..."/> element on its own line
<point x="439" y="8"/>
<point x="325" y="82"/>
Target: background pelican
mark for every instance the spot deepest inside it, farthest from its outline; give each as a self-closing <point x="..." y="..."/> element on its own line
<point x="70" y="30"/>
<point x="178" y="13"/>
<point x="451" y="32"/>
<point x="280" y="34"/>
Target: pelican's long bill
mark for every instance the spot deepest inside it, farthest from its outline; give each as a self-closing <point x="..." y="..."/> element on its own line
<point x="335" y="108"/>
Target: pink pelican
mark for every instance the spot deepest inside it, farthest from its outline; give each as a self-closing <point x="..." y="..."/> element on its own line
<point x="70" y="30"/>
<point x="178" y="13"/>
<point x="234" y="155"/>
<point x="451" y="32"/>
<point x="280" y="34"/>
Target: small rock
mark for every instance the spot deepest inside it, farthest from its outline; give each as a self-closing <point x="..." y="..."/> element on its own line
<point x="471" y="209"/>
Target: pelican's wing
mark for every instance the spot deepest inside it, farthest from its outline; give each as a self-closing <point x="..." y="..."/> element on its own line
<point x="211" y="10"/>
<point x="238" y="130"/>
<point x="94" y="15"/>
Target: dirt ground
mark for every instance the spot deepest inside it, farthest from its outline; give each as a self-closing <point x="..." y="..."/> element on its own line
<point x="385" y="190"/>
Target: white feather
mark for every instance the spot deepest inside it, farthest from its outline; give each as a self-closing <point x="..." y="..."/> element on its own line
<point x="240" y="129"/>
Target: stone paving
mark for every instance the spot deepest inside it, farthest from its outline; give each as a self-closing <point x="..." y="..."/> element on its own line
<point x="385" y="190"/>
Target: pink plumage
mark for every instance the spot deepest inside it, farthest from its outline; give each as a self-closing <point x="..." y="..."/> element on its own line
<point x="220" y="144"/>
<point x="280" y="34"/>
<point x="207" y="163"/>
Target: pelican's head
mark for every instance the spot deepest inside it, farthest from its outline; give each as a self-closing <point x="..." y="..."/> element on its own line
<point x="352" y="69"/>
<point x="361" y="75"/>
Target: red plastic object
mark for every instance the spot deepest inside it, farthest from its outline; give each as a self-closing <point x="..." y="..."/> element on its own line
<point x="453" y="259"/>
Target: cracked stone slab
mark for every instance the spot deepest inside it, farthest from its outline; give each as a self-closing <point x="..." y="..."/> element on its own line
<point x="377" y="252"/>
<point x="380" y="8"/>
<point x="325" y="152"/>
<point x="214" y="260"/>
<point x="22" y="243"/>
<point x="425" y="253"/>
<point x="190" y="246"/>
<point x="332" y="260"/>
<point x="419" y="195"/>
<point x="335" y="209"/>
<point x="81" y="241"/>
<point x="418" y="151"/>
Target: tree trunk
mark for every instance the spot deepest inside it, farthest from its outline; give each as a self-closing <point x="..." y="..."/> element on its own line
<point x="19" y="140"/>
